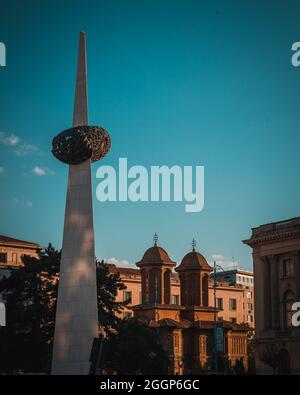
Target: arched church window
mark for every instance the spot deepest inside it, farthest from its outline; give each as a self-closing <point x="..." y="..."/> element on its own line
<point x="167" y="286"/>
<point x="153" y="291"/>
<point x="205" y="290"/>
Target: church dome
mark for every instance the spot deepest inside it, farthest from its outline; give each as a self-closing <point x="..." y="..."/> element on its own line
<point x="155" y="255"/>
<point x="194" y="261"/>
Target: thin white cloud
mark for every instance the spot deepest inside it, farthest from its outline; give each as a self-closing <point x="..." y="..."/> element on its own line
<point x="223" y="261"/>
<point x="22" y="202"/>
<point x="11" y="140"/>
<point x="26" y="149"/>
<point x="41" y="171"/>
<point x="19" y="148"/>
<point x="218" y="257"/>
<point x="118" y="263"/>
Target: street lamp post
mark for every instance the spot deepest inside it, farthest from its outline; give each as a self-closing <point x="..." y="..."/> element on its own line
<point x="215" y="312"/>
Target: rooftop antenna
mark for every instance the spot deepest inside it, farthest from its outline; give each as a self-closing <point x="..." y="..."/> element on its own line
<point x="233" y="262"/>
<point x="194" y="243"/>
<point x="155" y="239"/>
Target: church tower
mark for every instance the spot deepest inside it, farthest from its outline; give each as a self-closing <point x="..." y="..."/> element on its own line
<point x="194" y="272"/>
<point x="156" y="268"/>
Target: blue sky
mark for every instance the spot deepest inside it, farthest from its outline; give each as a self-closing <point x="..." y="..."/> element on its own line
<point x="174" y="82"/>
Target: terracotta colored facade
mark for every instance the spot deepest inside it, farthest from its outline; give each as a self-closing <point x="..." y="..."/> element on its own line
<point x="177" y="305"/>
<point x="276" y="259"/>
<point x="187" y="329"/>
<point x="227" y="295"/>
<point x="11" y="252"/>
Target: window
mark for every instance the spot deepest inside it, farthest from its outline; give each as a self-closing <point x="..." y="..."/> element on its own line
<point x="127" y="315"/>
<point x="249" y="306"/>
<point x="232" y="304"/>
<point x="288" y="268"/>
<point x="175" y="299"/>
<point x="3" y="257"/>
<point x="233" y="320"/>
<point x="220" y="303"/>
<point x="249" y="295"/>
<point x="250" y="318"/>
<point x="128" y="296"/>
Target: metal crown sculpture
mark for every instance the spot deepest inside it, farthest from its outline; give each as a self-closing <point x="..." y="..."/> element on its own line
<point x="78" y="144"/>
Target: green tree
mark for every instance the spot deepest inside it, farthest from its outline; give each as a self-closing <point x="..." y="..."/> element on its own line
<point x="30" y="298"/>
<point x="108" y="285"/>
<point x="136" y="349"/>
<point x="30" y="295"/>
<point x="270" y="357"/>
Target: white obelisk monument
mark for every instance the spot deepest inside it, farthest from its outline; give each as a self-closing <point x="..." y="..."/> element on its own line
<point x="77" y="315"/>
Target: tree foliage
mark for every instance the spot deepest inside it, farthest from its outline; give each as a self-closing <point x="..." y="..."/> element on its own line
<point x="270" y="357"/>
<point x="136" y="349"/>
<point x="30" y="295"/>
<point x="108" y="285"/>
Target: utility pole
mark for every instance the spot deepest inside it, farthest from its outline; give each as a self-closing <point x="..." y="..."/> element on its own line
<point x="215" y="315"/>
<point x="215" y="312"/>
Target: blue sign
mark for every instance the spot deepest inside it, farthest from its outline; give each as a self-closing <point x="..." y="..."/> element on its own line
<point x="219" y="339"/>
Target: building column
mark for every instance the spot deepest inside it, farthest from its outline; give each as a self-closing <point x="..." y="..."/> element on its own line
<point x="267" y="293"/>
<point x="297" y="274"/>
<point x="274" y="285"/>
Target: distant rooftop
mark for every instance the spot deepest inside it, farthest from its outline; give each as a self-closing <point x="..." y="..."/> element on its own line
<point x="236" y="270"/>
<point x="275" y="230"/>
<point x="5" y="240"/>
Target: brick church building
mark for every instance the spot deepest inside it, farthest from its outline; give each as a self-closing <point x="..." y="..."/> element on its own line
<point x="187" y="330"/>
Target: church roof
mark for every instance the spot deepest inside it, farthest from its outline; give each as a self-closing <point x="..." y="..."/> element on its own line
<point x="155" y="255"/>
<point x="194" y="261"/>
